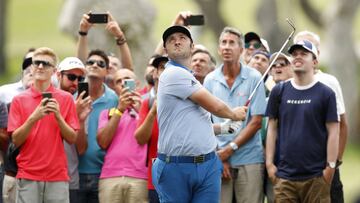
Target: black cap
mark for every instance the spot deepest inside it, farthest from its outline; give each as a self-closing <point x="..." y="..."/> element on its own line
<point x="173" y="29"/>
<point x="158" y="59"/>
<point x="26" y="63"/>
<point x="251" y="36"/>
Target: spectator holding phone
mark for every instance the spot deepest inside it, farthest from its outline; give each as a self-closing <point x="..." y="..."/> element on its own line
<point x="124" y="173"/>
<point x="91" y="155"/>
<point x="39" y="126"/>
<point x="71" y="71"/>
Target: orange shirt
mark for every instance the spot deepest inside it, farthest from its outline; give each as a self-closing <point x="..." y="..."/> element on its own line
<point x="42" y="156"/>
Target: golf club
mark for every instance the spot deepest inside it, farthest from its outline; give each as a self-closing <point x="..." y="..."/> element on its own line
<point x="272" y="62"/>
<point x="269" y="67"/>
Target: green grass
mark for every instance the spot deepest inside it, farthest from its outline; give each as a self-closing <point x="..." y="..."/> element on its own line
<point x="35" y="23"/>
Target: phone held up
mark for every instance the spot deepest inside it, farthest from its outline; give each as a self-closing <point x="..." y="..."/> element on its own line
<point x="46" y="95"/>
<point x="195" y="20"/>
<point x="83" y="86"/>
<point x="130" y="83"/>
<point x="98" y="18"/>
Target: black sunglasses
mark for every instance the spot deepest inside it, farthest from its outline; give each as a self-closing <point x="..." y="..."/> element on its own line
<point x="256" y="45"/>
<point x="45" y="64"/>
<point x="73" y="77"/>
<point x="101" y="64"/>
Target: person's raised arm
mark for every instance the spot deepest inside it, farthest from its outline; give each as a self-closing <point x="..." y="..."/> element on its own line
<point x="124" y="50"/>
<point x="83" y="109"/>
<point x="143" y="132"/>
<point x="82" y="45"/>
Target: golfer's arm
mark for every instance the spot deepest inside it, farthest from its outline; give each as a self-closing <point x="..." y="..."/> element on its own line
<point x="212" y="104"/>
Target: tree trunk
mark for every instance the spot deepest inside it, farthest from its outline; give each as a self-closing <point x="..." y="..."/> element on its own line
<point x="343" y="60"/>
<point x="3" y="4"/>
<point x="214" y="19"/>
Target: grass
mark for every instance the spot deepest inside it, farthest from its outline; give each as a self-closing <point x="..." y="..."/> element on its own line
<point x="34" y="24"/>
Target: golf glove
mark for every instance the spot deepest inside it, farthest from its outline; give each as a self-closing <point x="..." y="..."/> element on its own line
<point x="229" y="126"/>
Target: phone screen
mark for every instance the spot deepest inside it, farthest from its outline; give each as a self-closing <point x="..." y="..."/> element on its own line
<point x="195" y="20"/>
<point x="98" y="18"/>
<point x="83" y="86"/>
<point x="130" y="83"/>
<point x="46" y="95"/>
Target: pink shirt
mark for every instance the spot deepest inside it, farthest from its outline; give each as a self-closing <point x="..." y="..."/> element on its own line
<point x="42" y="156"/>
<point x="124" y="157"/>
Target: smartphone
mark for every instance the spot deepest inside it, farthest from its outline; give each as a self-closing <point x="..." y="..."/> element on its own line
<point x="83" y="86"/>
<point x="195" y="20"/>
<point x="98" y="18"/>
<point x="46" y="95"/>
<point x="130" y="83"/>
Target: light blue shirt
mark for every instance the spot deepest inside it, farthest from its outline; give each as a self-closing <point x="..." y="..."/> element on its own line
<point x="9" y="91"/>
<point x="92" y="160"/>
<point x="185" y="127"/>
<point x="252" y="151"/>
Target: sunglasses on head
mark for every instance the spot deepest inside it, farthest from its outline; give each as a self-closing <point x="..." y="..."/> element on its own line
<point x="73" y="77"/>
<point x="256" y="45"/>
<point x="45" y="64"/>
<point x="101" y="64"/>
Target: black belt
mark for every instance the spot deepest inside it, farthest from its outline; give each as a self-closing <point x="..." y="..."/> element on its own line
<point x="186" y="159"/>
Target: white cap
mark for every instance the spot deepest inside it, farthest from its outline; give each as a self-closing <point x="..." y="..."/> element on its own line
<point x="265" y="44"/>
<point x="70" y="63"/>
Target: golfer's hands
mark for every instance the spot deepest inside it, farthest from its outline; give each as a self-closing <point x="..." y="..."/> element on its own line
<point x="225" y="153"/>
<point x="271" y="169"/>
<point x="239" y="113"/>
<point x="229" y="126"/>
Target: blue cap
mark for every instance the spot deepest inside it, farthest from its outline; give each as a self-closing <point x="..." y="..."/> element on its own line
<point x="304" y="44"/>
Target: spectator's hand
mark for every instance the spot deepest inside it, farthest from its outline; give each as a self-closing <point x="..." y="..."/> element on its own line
<point x="180" y="18"/>
<point x="328" y="174"/>
<point x="225" y="153"/>
<point x="84" y="23"/>
<point x="226" y="175"/>
<point x="136" y="101"/>
<point x="53" y="106"/>
<point x="83" y="107"/>
<point x="124" y="99"/>
<point x="41" y="110"/>
<point x="113" y="27"/>
<point x="229" y="126"/>
<point x="240" y="113"/>
<point x="271" y="173"/>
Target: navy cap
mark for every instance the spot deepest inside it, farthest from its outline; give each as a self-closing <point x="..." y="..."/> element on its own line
<point x="157" y="60"/>
<point x="26" y="62"/>
<point x="304" y="44"/>
<point x="173" y="29"/>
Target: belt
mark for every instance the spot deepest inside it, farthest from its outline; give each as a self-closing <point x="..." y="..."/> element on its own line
<point x="186" y="159"/>
<point x="10" y="173"/>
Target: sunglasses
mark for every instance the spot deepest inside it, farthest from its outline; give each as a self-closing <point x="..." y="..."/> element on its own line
<point x="280" y="65"/>
<point x="256" y="45"/>
<point x="45" y="64"/>
<point x="73" y="77"/>
<point x="101" y="64"/>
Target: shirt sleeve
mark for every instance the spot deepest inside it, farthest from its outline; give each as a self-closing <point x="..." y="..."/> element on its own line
<point x="71" y="117"/>
<point x="15" y="118"/>
<point x="332" y="115"/>
<point x="272" y="109"/>
<point x="182" y="84"/>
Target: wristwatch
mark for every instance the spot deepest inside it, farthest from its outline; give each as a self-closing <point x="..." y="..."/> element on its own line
<point x="331" y="164"/>
<point x="234" y="146"/>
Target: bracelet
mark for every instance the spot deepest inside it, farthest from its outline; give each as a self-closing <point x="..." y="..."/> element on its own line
<point x="115" y="111"/>
<point x="120" y="41"/>
<point x="81" y="33"/>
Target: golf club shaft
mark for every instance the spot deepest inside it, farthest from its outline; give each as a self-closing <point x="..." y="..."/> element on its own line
<point x="269" y="67"/>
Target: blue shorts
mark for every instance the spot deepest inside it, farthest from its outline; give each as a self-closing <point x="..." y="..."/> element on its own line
<point x="188" y="182"/>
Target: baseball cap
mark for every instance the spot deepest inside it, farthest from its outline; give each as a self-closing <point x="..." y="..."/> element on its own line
<point x="265" y="44"/>
<point x="304" y="44"/>
<point x="70" y="63"/>
<point x="173" y="29"/>
<point x="281" y="55"/>
<point x="251" y="36"/>
<point x="261" y="52"/>
<point x="158" y="59"/>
